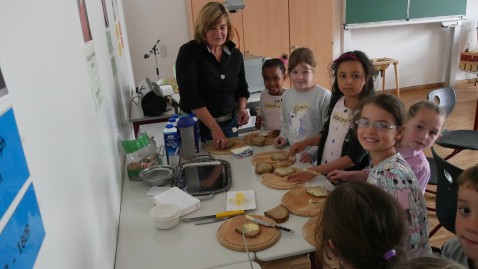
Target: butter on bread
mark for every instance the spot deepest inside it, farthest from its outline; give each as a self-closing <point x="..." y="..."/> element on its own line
<point x="250" y="229"/>
<point x="284" y="171"/>
<point x="318" y="192"/>
<point x="278" y="156"/>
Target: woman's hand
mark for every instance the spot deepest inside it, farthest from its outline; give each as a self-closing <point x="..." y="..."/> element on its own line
<point x="305" y="158"/>
<point x="298" y="147"/>
<point x="300" y="177"/>
<point x="259" y="122"/>
<point x="218" y="138"/>
<point x="280" y="142"/>
<point x="242" y="116"/>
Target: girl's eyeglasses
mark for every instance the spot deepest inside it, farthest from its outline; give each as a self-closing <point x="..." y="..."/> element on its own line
<point x="378" y="125"/>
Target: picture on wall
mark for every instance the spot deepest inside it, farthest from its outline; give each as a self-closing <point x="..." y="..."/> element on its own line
<point x="3" y="85"/>
<point x="85" y="24"/>
<point x="105" y="14"/>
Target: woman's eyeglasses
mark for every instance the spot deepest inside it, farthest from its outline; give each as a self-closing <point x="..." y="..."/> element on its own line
<point x="378" y="125"/>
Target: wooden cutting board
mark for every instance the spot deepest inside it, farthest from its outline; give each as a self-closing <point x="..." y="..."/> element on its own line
<point x="297" y="201"/>
<point x="212" y="149"/>
<point x="269" y="138"/>
<point x="229" y="238"/>
<point x="267" y="157"/>
<point x="274" y="181"/>
<point x="309" y="230"/>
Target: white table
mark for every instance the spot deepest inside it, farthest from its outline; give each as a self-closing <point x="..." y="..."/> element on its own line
<point x="188" y="245"/>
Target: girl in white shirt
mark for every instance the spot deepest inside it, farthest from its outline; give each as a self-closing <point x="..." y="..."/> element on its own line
<point x="274" y="74"/>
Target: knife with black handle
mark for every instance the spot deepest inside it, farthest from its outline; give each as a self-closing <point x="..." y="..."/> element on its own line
<point x="268" y="224"/>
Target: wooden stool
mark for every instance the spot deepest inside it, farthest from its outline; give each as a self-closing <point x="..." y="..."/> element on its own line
<point x="380" y="64"/>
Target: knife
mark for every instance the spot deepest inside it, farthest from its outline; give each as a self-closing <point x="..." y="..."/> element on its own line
<point x="219" y="215"/>
<point x="268" y="224"/>
<point x="206" y="221"/>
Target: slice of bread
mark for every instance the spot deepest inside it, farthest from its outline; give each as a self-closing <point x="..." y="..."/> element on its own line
<point x="258" y="140"/>
<point x="284" y="171"/>
<point x="317" y="192"/>
<point x="229" y="144"/>
<point x="264" y="167"/>
<point x="251" y="229"/>
<point x="279" y="214"/>
<point x="278" y="156"/>
<point x="273" y="133"/>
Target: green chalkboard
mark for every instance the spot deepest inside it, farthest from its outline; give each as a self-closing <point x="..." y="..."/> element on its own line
<point x="361" y="11"/>
<point x="370" y="11"/>
<point x="436" y="8"/>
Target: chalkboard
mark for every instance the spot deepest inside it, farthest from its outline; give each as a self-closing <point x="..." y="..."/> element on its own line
<point x="371" y="11"/>
<point x="436" y="8"/>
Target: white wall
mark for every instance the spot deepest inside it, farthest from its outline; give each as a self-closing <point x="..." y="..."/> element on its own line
<point x="72" y="152"/>
<point x="421" y="49"/>
<point x="150" y="20"/>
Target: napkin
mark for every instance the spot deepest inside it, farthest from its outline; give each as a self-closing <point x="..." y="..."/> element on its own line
<point x="186" y="202"/>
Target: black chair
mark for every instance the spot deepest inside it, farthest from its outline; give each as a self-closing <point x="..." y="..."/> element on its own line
<point x="446" y="99"/>
<point x="457" y="140"/>
<point x="447" y="193"/>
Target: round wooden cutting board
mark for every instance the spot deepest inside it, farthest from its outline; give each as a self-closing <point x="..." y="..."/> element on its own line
<point x="297" y="201"/>
<point x="308" y="231"/>
<point x="269" y="139"/>
<point x="267" y="157"/>
<point x="212" y="149"/>
<point x="274" y="181"/>
<point x="229" y="238"/>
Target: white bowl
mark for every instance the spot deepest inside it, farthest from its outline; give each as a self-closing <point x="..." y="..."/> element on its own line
<point x="165" y="216"/>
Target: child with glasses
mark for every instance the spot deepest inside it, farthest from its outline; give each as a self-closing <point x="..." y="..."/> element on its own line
<point x="338" y="147"/>
<point x="304" y="106"/>
<point x="464" y="247"/>
<point x="425" y="121"/>
<point x="380" y="125"/>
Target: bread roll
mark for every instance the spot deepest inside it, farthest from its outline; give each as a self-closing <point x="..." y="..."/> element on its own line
<point x="264" y="167"/>
<point x="279" y="214"/>
<point x="250" y="229"/>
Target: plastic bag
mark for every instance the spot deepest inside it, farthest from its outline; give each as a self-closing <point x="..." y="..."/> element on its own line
<point x="140" y="154"/>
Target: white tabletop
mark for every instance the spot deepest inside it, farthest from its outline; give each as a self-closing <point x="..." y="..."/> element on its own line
<point x="188" y="245"/>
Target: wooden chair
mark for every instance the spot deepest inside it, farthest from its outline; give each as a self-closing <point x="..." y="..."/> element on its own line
<point x="447" y="193"/>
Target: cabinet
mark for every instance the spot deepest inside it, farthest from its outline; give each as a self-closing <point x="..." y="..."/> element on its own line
<point x="272" y="27"/>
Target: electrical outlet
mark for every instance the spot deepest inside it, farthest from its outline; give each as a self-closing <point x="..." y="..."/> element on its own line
<point x="162" y="50"/>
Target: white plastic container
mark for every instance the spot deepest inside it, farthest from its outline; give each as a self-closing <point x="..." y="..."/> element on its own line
<point x="171" y="144"/>
<point x="186" y="130"/>
<point x="165" y="216"/>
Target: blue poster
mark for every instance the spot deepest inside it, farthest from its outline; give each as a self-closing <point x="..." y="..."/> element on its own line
<point x="13" y="165"/>
<point x="22" y="237"/>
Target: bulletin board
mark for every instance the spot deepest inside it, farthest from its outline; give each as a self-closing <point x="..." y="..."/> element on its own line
<point x="379" y="11"/>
